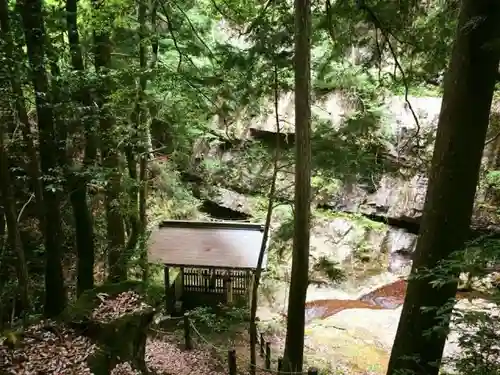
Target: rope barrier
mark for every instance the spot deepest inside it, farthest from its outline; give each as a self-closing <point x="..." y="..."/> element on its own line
<point x="206" y="342"/>
<point x="225" y="351"/>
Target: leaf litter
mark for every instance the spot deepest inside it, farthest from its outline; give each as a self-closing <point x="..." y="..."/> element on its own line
<point x="124" y="369"/>
<point x="48" y="348"/>
<point x="118" y="306"/>
<point x="51" y="348"/>
<point x="164" y="356"/>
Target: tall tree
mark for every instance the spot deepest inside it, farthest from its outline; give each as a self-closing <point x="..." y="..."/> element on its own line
<point x="136" y="145"/>
<point x="9" y="203"/>
<point x="84" y="229"/>
<point x="294" y="345"/>
<point x="267" y="229"/>
<point x="14" y="75"/>
<point x="142" y="123"/>
<point x="463" y="122"/>
<point x="34" y="30"/>
<point x="117" y="259"/>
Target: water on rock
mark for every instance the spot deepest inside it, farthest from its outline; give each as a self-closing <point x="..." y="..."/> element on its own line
<point x="390" y="296"/>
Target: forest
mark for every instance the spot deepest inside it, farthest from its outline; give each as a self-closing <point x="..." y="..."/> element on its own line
<point x="358" y="140"/>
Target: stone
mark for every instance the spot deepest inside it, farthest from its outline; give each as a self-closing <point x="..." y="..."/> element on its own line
<point x="122" y="335"/>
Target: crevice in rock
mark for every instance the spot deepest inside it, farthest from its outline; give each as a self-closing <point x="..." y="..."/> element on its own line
<point x="412" y="225"/>
<point x="286" y="140"/>
<point x="188" y="177"/>
<point x="231" y="144"/>
<point x="409" y="224"/>
<point x="197" y="181"/>
<point x="223" y="213"/>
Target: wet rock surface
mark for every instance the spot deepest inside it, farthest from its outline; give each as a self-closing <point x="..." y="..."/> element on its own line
<point x="356" y="335"/>
<point x="390" y="296"/>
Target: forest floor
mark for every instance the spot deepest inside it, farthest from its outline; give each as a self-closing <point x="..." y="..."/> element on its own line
<point x="353" y="341"/>
<point x="165" y="355"/>
<point x="326" y="347"/>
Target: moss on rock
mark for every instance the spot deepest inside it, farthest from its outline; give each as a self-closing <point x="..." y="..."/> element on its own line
<point x="121" y="338"/>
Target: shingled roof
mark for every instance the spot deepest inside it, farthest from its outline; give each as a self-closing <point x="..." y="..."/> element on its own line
<point x="230" y="245"/>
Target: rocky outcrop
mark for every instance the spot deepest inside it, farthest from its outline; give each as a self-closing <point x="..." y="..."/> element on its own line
<point x="378" y="176"/>
<point x="393" y="190"/>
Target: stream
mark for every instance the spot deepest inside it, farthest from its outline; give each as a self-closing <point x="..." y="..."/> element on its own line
<point x="390" y="296"/>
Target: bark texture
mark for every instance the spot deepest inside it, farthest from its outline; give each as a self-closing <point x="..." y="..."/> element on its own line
<point x="84" y="229"/>
<point x="294" y="345"/>
<point x="117" y="258"/>
<point x="463" y="122"/>
<point x="34" y="30"/>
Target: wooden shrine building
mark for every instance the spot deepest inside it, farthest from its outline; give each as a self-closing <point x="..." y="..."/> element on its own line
<point x="206" y="263"/>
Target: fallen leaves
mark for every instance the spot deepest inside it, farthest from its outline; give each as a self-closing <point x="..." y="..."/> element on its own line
<point x="47" y="348"/>
<point x="52" y="349"/>
<point x="124" y="369"/>
<point x="115" y="307"/>
<point x="165" y="357"/>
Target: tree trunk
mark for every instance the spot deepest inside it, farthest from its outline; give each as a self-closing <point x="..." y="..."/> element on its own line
<point x="133" y="216"/>
<point x="463" y="122"/>
<point x="143" y="127"/>
<point x="294" y="344"/>
<point x="22" y="114"/>
<point x="267" y="228"/>
<point x="9" y="204"/>
<point x="84" y="230"/>
<point x="143" y="220"/>
<point x="2" y="230"/>
<point x="84" y="96"/>
<point x="143" y="163"/>
<point x="55" y="294"/>
<point x="143" y="132"/>
<point x="117" y="258"/>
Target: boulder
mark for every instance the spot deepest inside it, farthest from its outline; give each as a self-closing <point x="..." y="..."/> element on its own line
<point x="115" y="317"/>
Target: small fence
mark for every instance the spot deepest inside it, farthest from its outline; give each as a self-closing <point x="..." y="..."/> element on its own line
<point x="232" y="363"/>
<point x="213" y="280"/>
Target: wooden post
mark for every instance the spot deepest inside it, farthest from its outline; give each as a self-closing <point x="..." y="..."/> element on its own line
<point x="181" y="284"/>
<point x="231" y="359"/>
<point x="312" y="371"/>
<point x="250" y="280"/>
<point x="187" y="333"/>
<point x="228" y="287"/>
<point x="177" y="287"/>
<point x="280" y="364"/>
<point x="166" y="282"/>
<point x="262" y="345"/>
<point x="268" y="356"/>
<point x="206" y="280"/>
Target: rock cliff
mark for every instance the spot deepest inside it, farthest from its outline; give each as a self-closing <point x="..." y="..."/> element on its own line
<point x="370" y="165"/>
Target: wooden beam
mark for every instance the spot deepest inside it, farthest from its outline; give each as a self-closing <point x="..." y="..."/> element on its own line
<point x="166" y="282"/>
<point x="211" y="225"/>
<point x="228" y="287"/>
<point x="178" y="265"/>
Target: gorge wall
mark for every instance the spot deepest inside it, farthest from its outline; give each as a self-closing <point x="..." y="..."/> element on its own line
<point x="369" y="177"/>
